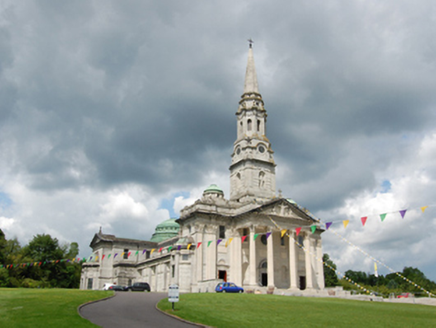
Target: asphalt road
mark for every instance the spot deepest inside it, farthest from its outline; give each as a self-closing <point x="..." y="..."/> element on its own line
<point x="130" y="310"/>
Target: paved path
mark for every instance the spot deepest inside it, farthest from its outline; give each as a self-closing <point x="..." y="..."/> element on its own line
<point x="130" y="310"/>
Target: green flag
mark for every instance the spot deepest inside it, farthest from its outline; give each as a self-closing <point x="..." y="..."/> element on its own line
<point x="208" y="244"/>
<point x="383" y="216"/>
<point x="313" y="227"/>
<point x="255" y="236"/>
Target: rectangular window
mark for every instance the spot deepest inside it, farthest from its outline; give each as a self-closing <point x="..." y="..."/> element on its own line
<point x="245" y="233"/>
<point x="185" y="257"/>
<point x="222" y="232"/>
<point x="173" y="271"/>
<point x="282" y="241"/>
<point x="147" y="254"/>
<point x="126" y="254"/>
<point x="89" y="283"/>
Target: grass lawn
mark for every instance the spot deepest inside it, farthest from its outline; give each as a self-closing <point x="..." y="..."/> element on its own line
<point x="249" y="310"/>
<point x="20" y="307"/>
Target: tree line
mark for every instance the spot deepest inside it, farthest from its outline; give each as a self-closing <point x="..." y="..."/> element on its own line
<point x="43" y="250"/>
<point x="382" y="285"/>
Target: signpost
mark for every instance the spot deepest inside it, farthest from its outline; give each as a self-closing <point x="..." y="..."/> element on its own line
<point x="173" y="294"/>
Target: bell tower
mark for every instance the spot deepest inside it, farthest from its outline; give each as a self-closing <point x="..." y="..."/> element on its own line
<point x="252" y="172"/>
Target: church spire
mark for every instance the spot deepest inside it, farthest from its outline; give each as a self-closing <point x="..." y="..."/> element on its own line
<point x="251" y="85"/>
<point x="252" y="172"/>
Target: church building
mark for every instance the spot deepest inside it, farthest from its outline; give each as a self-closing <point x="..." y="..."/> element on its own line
<point x="255" y="238"/>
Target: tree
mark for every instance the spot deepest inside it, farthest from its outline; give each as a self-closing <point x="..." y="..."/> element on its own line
<point x="3" y="243"/>
<point x="330" y="277"/>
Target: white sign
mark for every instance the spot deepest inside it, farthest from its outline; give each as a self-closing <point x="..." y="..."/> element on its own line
<point x="173" y="293"/>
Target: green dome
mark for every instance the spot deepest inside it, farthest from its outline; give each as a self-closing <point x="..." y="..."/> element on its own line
<point x="166" y="230"/>
<point x="213" y="189"/>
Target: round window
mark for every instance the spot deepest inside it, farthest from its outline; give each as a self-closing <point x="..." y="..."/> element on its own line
<point x="261" y="149"/>
<point x="238" y="151"/>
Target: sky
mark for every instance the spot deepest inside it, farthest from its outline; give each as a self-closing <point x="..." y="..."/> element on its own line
<point x="117" y="114"/>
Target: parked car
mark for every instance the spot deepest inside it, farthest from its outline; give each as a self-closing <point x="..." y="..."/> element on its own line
<point x="117" y="288"/>
<point x="106" y="286"/>
<point x="139" y="286"/>
<point x="228" y="287"/>
<point x="405" y="295"/>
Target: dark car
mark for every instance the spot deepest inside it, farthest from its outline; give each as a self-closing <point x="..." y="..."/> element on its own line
<point x="228" y="287"/>
<point x="117" y="288"/>
<point x="139" y="287"/>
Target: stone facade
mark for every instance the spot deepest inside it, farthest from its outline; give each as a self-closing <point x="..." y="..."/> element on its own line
<point x="237" y="239"/>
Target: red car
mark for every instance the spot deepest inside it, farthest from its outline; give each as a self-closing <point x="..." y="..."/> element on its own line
<point x="405" y="295"/>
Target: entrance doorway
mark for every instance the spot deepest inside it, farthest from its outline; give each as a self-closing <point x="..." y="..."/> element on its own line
<point x="264" y="279"/>
<point x="302" y="282"/>
<point x="222" y="275"/>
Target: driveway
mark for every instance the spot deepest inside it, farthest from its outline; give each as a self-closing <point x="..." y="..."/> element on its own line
<point x="130" y="309"/>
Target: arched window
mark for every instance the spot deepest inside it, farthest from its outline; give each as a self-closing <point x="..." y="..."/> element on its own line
<point x="249" y="125"/>
<point x="258" y="125"/>
<point x="261" y="179"/>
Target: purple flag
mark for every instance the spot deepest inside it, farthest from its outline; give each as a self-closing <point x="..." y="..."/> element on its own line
<point x="218" y="241"/>
<point x="179" y="247"/>
<point x="403" y="212"/>
<point x="327" y="225"/>
<point x="144" y="251"/>
<point x="268" y="234"/>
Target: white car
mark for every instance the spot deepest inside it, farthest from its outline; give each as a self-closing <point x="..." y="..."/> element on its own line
<point x="106" y="286"/>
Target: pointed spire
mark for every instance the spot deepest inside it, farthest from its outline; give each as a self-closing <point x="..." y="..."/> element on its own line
<point x="250" y="75"/>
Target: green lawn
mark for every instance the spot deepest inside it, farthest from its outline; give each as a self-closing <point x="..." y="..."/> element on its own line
<point x="249" y="310"/>
<point x="21" y="307"/>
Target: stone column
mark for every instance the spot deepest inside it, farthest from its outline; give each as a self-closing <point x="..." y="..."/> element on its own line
<point x="320" y="266"/>
<point x="252" y="264"/>
<point x="307" y="247"/>
<point x="270" y="260"/>
<point x="236" y="258"/>
<point x="293" y="268"/>
<point x="176" y="268"/>
<point x="211" y="259"/>
<point x="199" y="252"/>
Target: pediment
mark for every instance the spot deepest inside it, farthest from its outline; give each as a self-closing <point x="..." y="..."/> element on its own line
<point x="283" y="208"/>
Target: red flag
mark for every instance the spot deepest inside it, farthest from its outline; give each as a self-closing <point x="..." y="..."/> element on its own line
<point x="129" y="254"/>
<point x="198" y="245"/>
<point x="243" y="238"/>
<point x="102" y="258"/>
<point x="363" y="219"/>
<point x="298" y="231"/>
<point x="160" y="249"/>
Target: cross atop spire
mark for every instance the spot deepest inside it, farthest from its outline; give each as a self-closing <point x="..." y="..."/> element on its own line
<point x="250" y="42"/>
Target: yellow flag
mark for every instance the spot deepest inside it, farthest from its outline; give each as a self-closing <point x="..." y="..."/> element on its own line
<point x="423" y="208"/>
<point x="151" y="251"/>
<point x="189" y="246"/>
<point x="283" y="232"/>
<point x="229" y="241"/>
<point x="346" y="223"/>
<point x="375" y="269"/>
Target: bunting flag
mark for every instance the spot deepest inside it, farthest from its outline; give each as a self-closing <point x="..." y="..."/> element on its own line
<point x="363" y="219"/>
<point x="137" y="252"/>
<point x="313" y="228"/>
<point x="375" y="270"/>
<point x="198" y="245"/>
<point x="218" y="241"/>
<point x="170" y="248"/>
<point x="128" y="254"/>
<point x="383" y="216"/>
<point x="255" y="236"/>
<point x="345" y="222"/>
<point x="152" y="251"/>
<point x="268" y="234"/>
<point x="107" y="256"/>
<point x="189" y="246"/>
<point x="229" y="241"/>
<point x="298" y="231"/>
<point x="282" y="233"/>
<point x="102" y="258"/>
<point x="122" y="254"/>
<point x="180" y="246"/>
<point x="208" y="243"/>
<point x="160" y="250"/>
<point x="115" y="255"/>
<point x="243" y="238"/>
<point x="403" y="213"/>
<point x="144" y="251"/>
<point x="327" y="225"/>
<point x="423" y="208"/>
